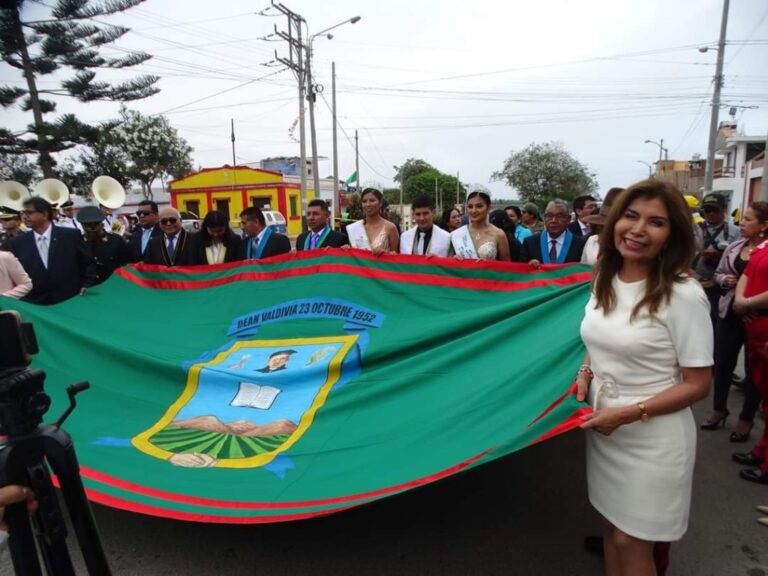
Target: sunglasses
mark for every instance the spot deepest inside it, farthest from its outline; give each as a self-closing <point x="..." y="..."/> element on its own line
<point x="708" y="209"/>
<point x="92" y="225"/>
<point x="143" y="213"/>
<point x="165" y="221"/>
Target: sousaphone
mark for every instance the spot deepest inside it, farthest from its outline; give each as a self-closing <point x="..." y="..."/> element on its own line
<point x="13" y="194"/>
<point x="108" y="192"/>
<point x="52" y="190"/>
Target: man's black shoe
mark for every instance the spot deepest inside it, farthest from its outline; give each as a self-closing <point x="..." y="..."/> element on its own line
<point x="755" y="475"/>
<point x="746" y="459"/>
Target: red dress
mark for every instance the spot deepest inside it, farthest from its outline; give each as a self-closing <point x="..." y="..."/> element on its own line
<point x="757" y="337"/>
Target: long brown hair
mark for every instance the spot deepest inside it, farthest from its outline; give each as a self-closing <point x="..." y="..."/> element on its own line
<point x="672" y="262"/>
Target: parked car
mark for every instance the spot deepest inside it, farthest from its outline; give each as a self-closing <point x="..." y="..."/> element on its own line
<point x="276" y="221"/>
<point x="190" y="221"/>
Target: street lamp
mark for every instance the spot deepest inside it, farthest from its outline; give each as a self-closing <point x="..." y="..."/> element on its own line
<point x="312" y="89"/>
<point x="650" y="173"/>
<point x="663" y="150"/>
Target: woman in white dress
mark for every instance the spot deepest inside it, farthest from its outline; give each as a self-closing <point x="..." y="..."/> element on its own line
<point x="373" y="232"/>
<point x="479" y="240"/>
<point x="649" y="356"/>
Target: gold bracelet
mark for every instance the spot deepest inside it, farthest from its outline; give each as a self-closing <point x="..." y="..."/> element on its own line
<point x="644" y="416"/>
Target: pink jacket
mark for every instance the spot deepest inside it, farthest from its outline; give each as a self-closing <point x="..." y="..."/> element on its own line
<point x="14" y="281"/>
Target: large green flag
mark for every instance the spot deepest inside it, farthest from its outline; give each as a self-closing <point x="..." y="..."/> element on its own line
<point x="309" y="383"/>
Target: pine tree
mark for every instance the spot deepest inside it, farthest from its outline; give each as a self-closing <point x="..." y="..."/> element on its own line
<point x="69" y="40"/>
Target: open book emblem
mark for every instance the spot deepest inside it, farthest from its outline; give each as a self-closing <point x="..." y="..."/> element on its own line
<point x="251" y="402"/>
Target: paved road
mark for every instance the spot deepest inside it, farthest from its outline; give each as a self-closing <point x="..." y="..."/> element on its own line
<point x="526" y="514"/>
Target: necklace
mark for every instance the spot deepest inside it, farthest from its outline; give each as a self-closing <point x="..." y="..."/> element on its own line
<point x="476" y="233"/>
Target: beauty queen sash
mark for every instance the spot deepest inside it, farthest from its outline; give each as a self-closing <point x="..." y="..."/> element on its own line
<point x="462" y="243"/>
<point x="544" y="243"/>
<point x="260" y="248"/>
<point x="357" y="236"/>
<point x="320" y="240"/>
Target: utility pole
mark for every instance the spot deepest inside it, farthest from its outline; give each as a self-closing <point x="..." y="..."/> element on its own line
<point x="311" y="96"/>
<point x="336" y="208"/>
<point x="357" y="163"/>
<point x="718" y="81"/>
<point x="295" y="62"/>
<point x="458" y="188"/>
<point x="234" y="162"/>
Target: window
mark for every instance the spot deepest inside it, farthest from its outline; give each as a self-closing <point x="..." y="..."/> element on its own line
<point x="222" y="205"/>
<point x="192" y="206"/>
<point x="262" y="202"/>
<point x="294" y="201"/>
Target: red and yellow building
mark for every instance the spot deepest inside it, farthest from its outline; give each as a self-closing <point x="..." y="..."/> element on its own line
<point x="231" y="190"/>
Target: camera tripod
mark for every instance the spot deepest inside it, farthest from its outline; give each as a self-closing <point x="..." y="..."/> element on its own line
<point x="25" y="457"/>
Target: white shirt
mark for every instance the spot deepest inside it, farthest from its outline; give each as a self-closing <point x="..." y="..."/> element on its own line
<point x="47" y="236"/>
<point x="558" y="242"/>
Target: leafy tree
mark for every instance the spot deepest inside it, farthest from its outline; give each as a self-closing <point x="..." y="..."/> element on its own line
<point x="18" y="168"/>
<point x="154" y="148"/>
<point x="543" y="172"/>
<point x="69" y="40"/>
<point x="411" y="167"/>
<point x="104" y="157"/>
<point x="430" y="182"/>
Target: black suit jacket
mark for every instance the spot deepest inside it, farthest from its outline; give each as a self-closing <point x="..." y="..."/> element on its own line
<point x="198" y="247"/>
<point x="532" y="248"/>
<point x="135" y="241"/>
<point x="276" y="244"/>
<point x="575" y="228"/>
<point x="333" y="240"/>
<point x="70" y="265"/>
<point x="184" y="254"/>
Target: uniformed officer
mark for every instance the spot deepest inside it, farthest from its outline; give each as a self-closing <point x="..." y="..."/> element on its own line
<point x="67" y="217"/>
<point x="11" y="222"/>
<point x="110" y="250"/>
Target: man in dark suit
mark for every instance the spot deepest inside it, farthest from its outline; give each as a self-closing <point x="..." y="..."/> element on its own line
<point x="583" y="206"/>
<point x="147" y="229"/>
<point x="557" y="244"/>
<point x="174" y="247"/>
<point x="320" y="234"/>
<point x="260" y="241"/>
<point x="57" y="259"/>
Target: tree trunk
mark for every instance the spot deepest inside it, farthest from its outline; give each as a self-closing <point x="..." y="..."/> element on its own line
<point x="45" y="160"/>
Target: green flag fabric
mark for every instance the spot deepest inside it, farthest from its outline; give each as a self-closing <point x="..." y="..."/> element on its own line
<point x="303" y="385"/>
<point x="352" y="178"/>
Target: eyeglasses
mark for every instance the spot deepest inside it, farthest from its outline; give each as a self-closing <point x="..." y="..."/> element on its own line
<point x="549" y="216"/>
<point x="165" y="221"/>
<point x="28" y="212"/>
<point x="143" y="213"/>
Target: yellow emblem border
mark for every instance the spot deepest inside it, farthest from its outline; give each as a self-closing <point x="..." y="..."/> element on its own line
<point x="141" y="441"/>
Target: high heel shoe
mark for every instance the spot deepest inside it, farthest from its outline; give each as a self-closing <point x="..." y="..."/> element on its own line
<point x="710" y="424"/>
<point x="740" y="437"/>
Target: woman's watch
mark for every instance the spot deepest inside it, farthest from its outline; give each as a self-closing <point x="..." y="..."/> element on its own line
<point x="644" y="416"/>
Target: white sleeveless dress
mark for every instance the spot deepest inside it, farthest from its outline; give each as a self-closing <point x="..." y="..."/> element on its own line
<point x="639" y="478"/>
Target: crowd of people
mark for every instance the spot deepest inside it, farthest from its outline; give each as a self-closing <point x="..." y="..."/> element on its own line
<point x="673" y="282"/>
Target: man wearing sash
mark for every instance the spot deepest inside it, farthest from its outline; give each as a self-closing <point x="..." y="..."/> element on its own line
<point x="425" y="238"/>
<point x="320" y="234"/>
<point x="556" y="244"/>
<point x="174" y="246"/>
<point x="259" y="240"/>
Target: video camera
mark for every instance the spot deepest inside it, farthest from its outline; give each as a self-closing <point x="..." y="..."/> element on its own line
<point x="30" y="453"/>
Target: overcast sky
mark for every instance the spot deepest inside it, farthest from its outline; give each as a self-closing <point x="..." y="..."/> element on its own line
<point x="458" y="84"/>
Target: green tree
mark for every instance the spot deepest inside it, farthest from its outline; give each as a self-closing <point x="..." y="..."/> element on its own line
<point x="18" y="168"/>
<point x="433" y="183"/>
<point x="103" y="158"/>
<point x="410" y="168"/>
<point x="154" y="148"/>
<point x="543" y="172"/>
<point x="69" y="40"/>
